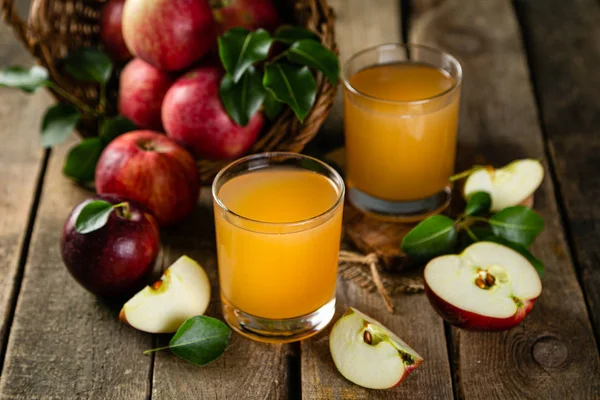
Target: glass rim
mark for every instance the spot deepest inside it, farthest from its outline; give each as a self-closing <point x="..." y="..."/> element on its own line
<point x="357" y="92"/>
<point x="266" y="155"/>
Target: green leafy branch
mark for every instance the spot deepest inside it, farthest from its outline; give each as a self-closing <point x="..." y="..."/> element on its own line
<point x="515" y="227"/>
<point x="253" y="80"/>
<point x="86" y="65"/>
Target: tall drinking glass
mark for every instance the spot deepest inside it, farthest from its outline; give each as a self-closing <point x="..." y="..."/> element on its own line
<point x="278" y="223"/>
<point x="401" y="107"/>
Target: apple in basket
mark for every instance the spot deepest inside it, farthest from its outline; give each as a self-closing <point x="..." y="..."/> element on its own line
<point x="151" y="169"/>
<point x="193" y="116"/>
<point x="111" y="31"/>
<point x="249" y="14"/>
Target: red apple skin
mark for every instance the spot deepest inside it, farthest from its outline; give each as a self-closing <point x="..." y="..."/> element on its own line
<point x="117" y="259"/>
<point x="249" y="14"/>
<point x="111" y="32"/>
<point x="472" y="321"/>
<point x="151" y="169"/>
<point x="193" y="115"/>
<point x="142" y="89"/>
<point x="169" y="34"/>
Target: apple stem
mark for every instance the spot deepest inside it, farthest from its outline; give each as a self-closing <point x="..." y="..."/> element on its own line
<point x="466" y="173"/>
<point x="123" y="210"/>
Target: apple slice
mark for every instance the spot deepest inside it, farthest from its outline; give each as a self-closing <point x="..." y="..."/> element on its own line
<point x="182" y="292"/>
<point x="487" y="287"/>
<point x="368" y="354"/>
<point x="508" y="186"/>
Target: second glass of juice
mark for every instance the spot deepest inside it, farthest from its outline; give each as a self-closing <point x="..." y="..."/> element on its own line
<point x="278" y="223"/>
<point x="401" y="107"/>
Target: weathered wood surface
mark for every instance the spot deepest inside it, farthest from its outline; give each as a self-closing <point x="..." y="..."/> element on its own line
<point x="413" y="316"/>
<point x="563" y="43"/>
<point x="552" y="355"/>
<point x="248" y="370"/>
<point x="21" y="162"/>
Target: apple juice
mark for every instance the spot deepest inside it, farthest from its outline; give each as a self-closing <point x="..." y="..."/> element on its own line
<point x="278" y="246"/>
<point x="400" y="130"/>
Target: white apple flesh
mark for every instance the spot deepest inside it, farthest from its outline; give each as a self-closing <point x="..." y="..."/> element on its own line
<point x="368" y="354"/>
<point x="183" y="292"/>
<point x="509" y="186"/>
<point x="487" y="287"/>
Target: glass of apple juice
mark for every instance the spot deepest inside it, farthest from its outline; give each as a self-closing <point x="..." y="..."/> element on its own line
<point x="278" y="223"/>
<point x="401" y="106"/>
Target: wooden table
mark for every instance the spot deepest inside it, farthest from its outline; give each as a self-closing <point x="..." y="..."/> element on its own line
<point x="531" y="89"/>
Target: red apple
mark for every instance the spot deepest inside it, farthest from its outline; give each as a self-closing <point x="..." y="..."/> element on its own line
<point x="111" y="32"/>
<point x="151" y="169"/>
<point x="141" y="92"/>
<point x="116" y="259"/>
<point x="249" y="14"/>
<point x="487" y="287"/>
<point x="169" y="34"/>
<point x="193" y="115"/>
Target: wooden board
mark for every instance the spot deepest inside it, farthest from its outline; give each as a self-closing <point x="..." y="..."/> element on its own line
<point x="552" y="355"/>
<point x="64" y="342"/>
<point x="563" y="42"/>
<point x="413" y="317"/>
<point x="248" y="370"/>
<point x="21" y="162"/>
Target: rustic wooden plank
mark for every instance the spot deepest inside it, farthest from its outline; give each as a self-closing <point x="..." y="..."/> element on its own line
<point x="361" y="24"/>
<point x="21" y="162"/>
<point x="248" y="370"/>
<point x="563" y="43"/>
<point x="64" y="342"/>
<point x="552" y="355"/>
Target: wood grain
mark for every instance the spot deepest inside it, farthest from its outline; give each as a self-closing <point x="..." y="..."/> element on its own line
<point x="552" y="355"/>
<point x="563" y="42"/>
<point x="247" y="370"/>
<point x="21" y="162"/>
<point x="64" y="342"/>
<point x="362" y="24"/>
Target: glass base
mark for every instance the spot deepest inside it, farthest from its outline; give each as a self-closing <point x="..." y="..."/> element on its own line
<point x="400" y="211"/>
<point x="277" y="330"/>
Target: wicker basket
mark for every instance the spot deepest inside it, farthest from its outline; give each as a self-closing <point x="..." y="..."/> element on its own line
<point x="56" y="27"/>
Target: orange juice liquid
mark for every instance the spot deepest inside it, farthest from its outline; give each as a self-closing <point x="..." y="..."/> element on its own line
<point x="283" y="269"/>
<point x="400" y="151"/>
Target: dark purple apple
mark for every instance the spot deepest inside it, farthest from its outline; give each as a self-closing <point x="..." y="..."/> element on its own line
<point x="117" y="259"/>
<point x="153" y="170"/>
<point x="193" y="116"/>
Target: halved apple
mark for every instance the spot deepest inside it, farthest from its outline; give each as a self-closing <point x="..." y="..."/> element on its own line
<point x="487" y="287"/>
<point x="508" y="186"/>
<point x="182" y="292"/>
<point x="368" y="354"/>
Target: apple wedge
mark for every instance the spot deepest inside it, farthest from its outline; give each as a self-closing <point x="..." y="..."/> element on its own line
<point x="368" y="354"/>
<point x="487" y="287"/>
<point x="182" y="292"/>
<point x="508" y="186"/>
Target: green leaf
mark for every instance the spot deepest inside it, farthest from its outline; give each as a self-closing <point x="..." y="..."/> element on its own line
<point x="517" y="224"/>
<point x="292" y="85"/>
<point x="89" y="65"/>
<point x="58" y="123"/>
<point x="199" y="340"/>
<point x="93" y="216"/>
<point x="432" y="237"/>
<point x="240" y="48"/>
<point x="244" y="98"/>
<point x="115" y="126"/>
<point x="81" y="161"/>
<point x="315" y="55"/>
<point x="272" y="106"/>
<point x="290" y="34"/>
<point x="28" y="80"/>
<point x="537" y="264"/>
<point x="478" y="203"/>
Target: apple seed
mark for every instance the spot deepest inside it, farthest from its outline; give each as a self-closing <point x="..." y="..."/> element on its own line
<point x="367" y="337"/>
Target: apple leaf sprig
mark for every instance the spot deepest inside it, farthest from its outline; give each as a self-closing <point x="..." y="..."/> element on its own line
<point x="87" y="65"/>
<point x="516" y="227"/>
<point x="199" y="340"/>
<point x="253" y="80"/>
